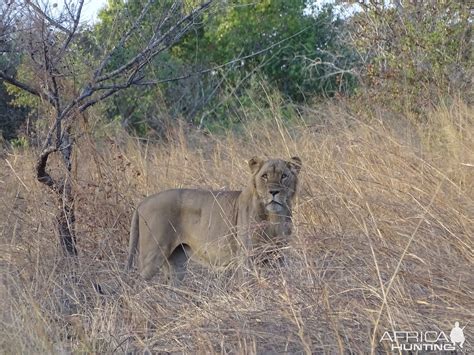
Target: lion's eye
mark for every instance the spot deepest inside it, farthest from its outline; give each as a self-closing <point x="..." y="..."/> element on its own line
<point x="264" y="176"/>
<point x="284" y="176"/>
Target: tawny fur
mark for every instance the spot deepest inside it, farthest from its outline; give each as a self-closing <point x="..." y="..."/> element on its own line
<point x="214" y="226"/>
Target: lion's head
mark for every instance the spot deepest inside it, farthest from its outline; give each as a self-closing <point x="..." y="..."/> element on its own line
<point x="275" y="182"/>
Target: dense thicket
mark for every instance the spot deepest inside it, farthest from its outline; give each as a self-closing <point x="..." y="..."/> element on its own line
<point x="403" y="55"/>
<point x="299" y="53"/>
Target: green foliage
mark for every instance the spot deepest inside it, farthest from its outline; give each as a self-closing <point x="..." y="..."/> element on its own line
<point x="120" y="16"/>
<point x="298" y="52"/>
<point x="247" y="51"/>
<point x="19" y="143"/>
<point x="21" y="98"/>
<point x="416" y="51"/>
<point x="137" y="108"/>
<point x="11" y="116"/>
<point x="15" y="104"/>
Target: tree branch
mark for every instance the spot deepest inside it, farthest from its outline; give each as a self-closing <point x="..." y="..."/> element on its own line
<point x="123" y="39"/>
<point x="40" y="12"/>
<point x="72" y="32"/>
<point x="11" y="80"/>
<point x="152" y="45"/>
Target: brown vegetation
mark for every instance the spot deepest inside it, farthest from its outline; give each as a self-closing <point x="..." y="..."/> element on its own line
<point x="383" y="240"/>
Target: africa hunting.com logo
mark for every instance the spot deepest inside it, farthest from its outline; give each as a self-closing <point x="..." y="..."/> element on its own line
<point x="426" y="340"/>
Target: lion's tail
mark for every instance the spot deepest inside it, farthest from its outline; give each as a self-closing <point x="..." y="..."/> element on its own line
<point x="133" y="243"/>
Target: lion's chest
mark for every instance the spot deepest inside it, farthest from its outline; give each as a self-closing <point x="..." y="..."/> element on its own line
<point x="270" y="233"/>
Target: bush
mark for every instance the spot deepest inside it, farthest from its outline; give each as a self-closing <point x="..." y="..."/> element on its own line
<point x="416" y="52"/>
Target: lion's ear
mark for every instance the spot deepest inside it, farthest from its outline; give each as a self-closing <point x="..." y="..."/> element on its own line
<point x="295" y="165"/>
<point x="255" y="164"/>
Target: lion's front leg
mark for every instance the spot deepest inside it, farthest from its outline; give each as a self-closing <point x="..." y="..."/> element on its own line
<point x="245" y="253"/>
<point x="244" y="233"/>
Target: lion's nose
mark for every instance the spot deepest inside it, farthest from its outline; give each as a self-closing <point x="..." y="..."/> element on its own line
<point x="274" y="192"/>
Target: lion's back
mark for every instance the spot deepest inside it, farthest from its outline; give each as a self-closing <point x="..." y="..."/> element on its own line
<point x="193" y="212"/>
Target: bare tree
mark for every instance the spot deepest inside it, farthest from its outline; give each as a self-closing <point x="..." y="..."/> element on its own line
<point x="44" y="36"/>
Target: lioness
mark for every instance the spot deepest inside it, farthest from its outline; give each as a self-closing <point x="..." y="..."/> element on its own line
<point x="214" y="226"/>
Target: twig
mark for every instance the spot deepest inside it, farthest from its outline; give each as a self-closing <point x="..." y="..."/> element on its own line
<point x="40" y="12"/>
<point x="150" y="50"/>
<point x="397" y="268"/>
<point x="18" y="177"/>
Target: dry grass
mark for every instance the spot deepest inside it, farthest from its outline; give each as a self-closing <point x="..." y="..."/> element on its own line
<point x="383" y="241"/>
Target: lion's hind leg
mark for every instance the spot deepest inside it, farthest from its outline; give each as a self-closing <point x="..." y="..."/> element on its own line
<point x="155" y="246"/>
<point x="151" y="263"/>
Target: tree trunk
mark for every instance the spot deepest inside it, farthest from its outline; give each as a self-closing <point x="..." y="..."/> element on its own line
<point x="65" y="217"/>
<point x="65" y="220"/>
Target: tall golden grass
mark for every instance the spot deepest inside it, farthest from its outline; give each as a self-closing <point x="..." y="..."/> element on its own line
<point x="383" y="230"/>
